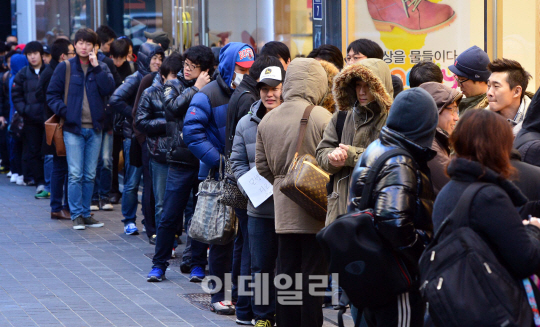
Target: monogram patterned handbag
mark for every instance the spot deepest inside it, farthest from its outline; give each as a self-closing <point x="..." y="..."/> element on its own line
<point x="305" y="182"/>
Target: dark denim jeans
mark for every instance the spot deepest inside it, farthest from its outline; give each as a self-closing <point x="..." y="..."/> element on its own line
<point x="47" y="170"/>
<point x="82" y="155"/>
<point x="102" y="185"/>
<point x="59" y="184"/>
<point x="263" y="245"/>
<point x="159" y="181"/>
<point x="181" y="182"/>
<point x="15" y="155"/>
<point x="132" y="178"/>
<point x="242" y="266"/>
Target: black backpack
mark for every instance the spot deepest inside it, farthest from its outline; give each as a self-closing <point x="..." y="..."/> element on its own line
<point x="370" y="272"/>
<point x="462" y="280"/>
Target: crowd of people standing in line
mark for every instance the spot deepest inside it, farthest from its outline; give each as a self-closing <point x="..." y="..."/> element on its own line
<point x="177" y="117"/>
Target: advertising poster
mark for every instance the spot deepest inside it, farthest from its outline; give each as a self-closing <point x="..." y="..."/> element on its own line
<point x="411" y="31"/>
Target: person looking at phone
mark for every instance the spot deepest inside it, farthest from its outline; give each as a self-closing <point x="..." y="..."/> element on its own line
<point x="90" y="81"/>
<point x="183" y="167"/>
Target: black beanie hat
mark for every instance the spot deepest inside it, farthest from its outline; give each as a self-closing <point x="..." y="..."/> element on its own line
<point x="414" y="115"/>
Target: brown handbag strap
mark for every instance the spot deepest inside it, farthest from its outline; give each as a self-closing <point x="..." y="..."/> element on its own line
<point x="66" y="87"/>
<point x="303" y="127"/>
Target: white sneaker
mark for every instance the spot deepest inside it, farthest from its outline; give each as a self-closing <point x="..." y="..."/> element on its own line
<point x="223" y="308"/>
<point x="9" y="174"/>
<point x="173" y="254"/>
<point x="20" y="180"/>
<point x="40" y="188"/>
<point x="13" y="178"/>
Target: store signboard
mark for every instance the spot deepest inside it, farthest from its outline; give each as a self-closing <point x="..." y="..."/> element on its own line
<point x="435" y="30"/>
<point x="317" y="10"/>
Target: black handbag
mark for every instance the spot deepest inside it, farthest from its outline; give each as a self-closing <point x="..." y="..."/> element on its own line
<point x="462" y="279"/>
<point x="370" y="272"/>
<point x="232" y="196"/>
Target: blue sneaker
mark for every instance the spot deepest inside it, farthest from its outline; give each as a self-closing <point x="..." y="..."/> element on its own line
<point x="131" y="229"/>
<point x="156" y="275"/>
<point x="197" y="274"/>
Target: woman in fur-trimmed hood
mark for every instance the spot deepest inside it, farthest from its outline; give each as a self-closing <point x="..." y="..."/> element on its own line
<point x="331" y="70"/>
<point x="362" y="94"/>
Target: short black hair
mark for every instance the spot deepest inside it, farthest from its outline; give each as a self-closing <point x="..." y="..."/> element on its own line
<point x="10" y="54"/>
<point x="516" y="74"/>
<point x="262" y="62"/>
<point x="105" y="34"/>
<point x="276" y="49"/>
<point x="119" y="48"/>
<point x="60" y="47"/>
<point x="86" y="35"/>
<point x="423" y="72"/>
<point x="366" y="47"/>
<point x="32" y="47"/>
<point x="330" y="53"/>
<point x="171" y="65"/>
<point x="201" y="55"/>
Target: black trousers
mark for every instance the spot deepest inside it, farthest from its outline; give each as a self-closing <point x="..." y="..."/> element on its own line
<point x="299" y="253"/>
<point x="148" y="207"/>
<point x="406" y="310"/>
<point x="118" y="145"/>
<point x="32" y="159"/>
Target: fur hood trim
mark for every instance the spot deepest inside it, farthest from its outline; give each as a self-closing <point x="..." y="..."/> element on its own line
<point x="345" y="93"/>
<point x="331" y="71"/>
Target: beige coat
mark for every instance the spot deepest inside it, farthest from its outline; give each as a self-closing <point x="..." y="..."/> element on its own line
<point x="362" y="125"/>
<point x="304" y="85"/>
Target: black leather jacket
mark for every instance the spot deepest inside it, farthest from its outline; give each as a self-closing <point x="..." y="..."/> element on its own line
<point x="123" y="98"/>
<point x="150" y="120"/>
<point x="403" y="197"/>
<point x="177" y="97"/>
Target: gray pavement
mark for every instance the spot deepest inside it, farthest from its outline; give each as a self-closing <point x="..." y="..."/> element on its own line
<point x="52" y="275"/>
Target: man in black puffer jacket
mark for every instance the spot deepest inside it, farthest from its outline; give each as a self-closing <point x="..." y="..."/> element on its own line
<point x="23" y="94"/>
<point x="403" y="200"/>
<point x="150" y="120"/>
<point x="150" y="57"/>
<point x="183" y="166"/>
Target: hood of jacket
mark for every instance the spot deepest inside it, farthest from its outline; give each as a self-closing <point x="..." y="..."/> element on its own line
<point x="531" y="122"/>
<point x="331" y="72"/>
<point x="145" y="54"/>
<point x="419" y="152"/>
<point x="375" y="72"/>
<point x="18" y="62"/>
<point x="157" y="82"/>
<point x="461" y="169"/>
<point x="414" y="115"/>
<point x="257" y="111"/>
<point x="303" y="81"/>
<point x="227" y="60"/>
<point x="442" y="94"/>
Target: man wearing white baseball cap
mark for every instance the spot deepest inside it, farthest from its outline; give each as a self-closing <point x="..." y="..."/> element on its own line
<point x="260" y="241"/>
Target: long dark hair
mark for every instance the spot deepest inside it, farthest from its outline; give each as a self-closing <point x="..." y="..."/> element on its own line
<point x="485" y="137"/>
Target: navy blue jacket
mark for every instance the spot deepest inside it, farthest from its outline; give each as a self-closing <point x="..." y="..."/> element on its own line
<point x="206" y="118"/>
<point x="99" y="83"/>
<point x="23" y="95"/>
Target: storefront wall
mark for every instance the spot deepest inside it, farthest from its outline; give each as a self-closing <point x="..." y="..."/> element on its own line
<point x="511" y="26"/>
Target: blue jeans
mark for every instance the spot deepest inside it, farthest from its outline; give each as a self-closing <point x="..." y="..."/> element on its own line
<point x="181" y="183"/>
<point x="242" y="266"/>
<point x="159" y="181"/>
<point x="102" y="185"/>
<point x="132" y="178"/>
<point x="59" y="184"/>
<point x="82" y="155"/>
<point x="263" y="245"/>
<point x="47" y="170"/>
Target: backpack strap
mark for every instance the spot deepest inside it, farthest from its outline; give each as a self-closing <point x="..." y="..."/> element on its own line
<point x="303" y="127"/>
<point x="340" y="124"/>
<point x="373" y="173"/>
<point x="459" y="216"/>
<point x="525" y="138"/>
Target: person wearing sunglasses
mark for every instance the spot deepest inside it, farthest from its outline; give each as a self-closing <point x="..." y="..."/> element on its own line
<point x="471" y="73"/>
